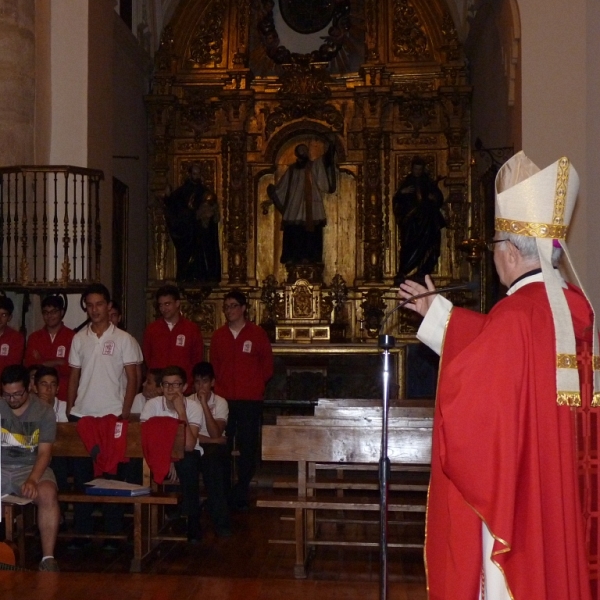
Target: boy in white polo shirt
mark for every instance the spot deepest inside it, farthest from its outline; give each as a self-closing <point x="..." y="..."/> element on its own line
<point x="174" y="404"/>
<point x="99" y="355"/>
<point x="213" y="459"/>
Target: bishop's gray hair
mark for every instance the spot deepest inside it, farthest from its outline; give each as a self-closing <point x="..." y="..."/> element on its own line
<point x="527" y="246"/>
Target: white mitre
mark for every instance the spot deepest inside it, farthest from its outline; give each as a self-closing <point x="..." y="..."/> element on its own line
<point x="540" y="204"/>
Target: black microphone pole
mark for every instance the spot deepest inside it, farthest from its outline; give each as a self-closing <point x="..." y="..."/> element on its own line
<point x="386" y="343"/>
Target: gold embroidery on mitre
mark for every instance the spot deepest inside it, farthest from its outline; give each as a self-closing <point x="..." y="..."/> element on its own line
<point x="538" y="230"/>
<point x="562" y="183"/>
<point x="566" y="361"/>
<point x="568" y="399"/>
<point x="596" y="400"/>
<point x="596" y="363"/>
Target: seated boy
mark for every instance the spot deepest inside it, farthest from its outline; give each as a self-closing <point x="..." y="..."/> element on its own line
<point x="150" y="389"/>
<point x="45" y="386"/>
<point x="212" y="459"/>
<point x="28" y="432"/>
<point x="173" y="404"/>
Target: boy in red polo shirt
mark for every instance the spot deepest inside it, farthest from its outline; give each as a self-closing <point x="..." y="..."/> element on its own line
<point x="12" y="343"/>
<point x="50" y="345"/>
<point x="172" y="339"/>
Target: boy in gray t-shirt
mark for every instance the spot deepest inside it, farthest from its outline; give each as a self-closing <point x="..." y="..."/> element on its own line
<point x="28" y="429"/>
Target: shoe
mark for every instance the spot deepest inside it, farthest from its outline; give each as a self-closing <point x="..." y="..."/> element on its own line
<point x="173" y="514"/>
<point x="240" y="506"/>
<point x="49" y="565"/>
<point x="78" y="544"/>
<point x="110" y="546"/>
<point x="223" y="532"/>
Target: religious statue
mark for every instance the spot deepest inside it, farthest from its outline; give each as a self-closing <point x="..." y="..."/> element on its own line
<point x="192" y="217"/>
<point x="417" y="208"/>
<point x="298" y="196"/>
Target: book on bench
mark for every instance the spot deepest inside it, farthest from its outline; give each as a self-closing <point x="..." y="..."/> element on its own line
<point x="111" y="487"/>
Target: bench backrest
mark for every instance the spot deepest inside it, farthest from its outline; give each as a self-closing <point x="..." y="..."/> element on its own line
<point x="68" y="442"/>
<point x="419" y="402"/>
<point x="352" y="412"/>
<point x="354" y="420"/>
<point x="352" y="444"/>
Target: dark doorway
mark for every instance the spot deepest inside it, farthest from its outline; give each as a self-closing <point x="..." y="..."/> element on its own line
<point x="120" y="223"/>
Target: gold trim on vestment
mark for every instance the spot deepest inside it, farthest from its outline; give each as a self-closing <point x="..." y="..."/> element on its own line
<point x="560" y="195"/>
<point x="566" y="361"/>
<point x="568" y="398"/>
<point x="537" y="230"/>
<point x="596" y="400"/>
<point x="596" y="363"/>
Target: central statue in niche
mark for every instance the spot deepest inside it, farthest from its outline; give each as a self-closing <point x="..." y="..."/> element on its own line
<point x="298" y="196"/>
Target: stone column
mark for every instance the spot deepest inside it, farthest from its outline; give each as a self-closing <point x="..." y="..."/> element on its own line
<point x="17" y="81"/>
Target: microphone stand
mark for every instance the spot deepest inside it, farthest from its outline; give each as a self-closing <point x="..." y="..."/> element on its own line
<point x="386" y="343"/>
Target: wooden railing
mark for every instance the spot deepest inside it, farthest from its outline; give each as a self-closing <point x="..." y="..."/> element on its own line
<point x="49" y="227"/>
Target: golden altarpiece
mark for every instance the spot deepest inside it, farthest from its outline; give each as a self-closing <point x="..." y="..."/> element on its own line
<point x="238" y="85"/>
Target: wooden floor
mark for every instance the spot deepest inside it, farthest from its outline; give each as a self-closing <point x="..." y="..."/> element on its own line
<point x="244" y="566"/>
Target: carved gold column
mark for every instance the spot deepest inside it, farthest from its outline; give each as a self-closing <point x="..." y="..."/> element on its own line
<point x="371" y="37"/>
<point x="373" y="213"/>
<point x="237" y="208"/>
<point x="455" y="117"/>
<point x="160" y="105"/>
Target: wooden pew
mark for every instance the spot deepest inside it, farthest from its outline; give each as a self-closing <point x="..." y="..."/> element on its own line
<point x="145" y="508"/>
<point x="342" y="443"/>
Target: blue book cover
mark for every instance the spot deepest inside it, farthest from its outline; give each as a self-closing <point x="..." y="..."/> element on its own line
<point x="100" y="491"/>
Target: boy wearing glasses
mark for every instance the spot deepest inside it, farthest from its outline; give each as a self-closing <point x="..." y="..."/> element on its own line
<point x="241" y="355"/>
<point x="12" y="342"/>
<point x="28" y="431"/>
<point x="174" y="404"/>
<point x="50" y="345"/>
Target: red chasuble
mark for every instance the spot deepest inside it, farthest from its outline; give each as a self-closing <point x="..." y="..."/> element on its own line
<point x="504" y="452"/>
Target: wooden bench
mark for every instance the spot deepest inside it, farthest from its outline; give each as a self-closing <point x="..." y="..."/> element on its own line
<point x="342" y="444"/>
<point x="145" y="508"/>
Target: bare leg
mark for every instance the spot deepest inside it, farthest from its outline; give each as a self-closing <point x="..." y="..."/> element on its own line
<point x="48" y="516"/>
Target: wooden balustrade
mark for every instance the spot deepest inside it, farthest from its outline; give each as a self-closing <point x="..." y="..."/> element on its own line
<point x="49" y="227"/>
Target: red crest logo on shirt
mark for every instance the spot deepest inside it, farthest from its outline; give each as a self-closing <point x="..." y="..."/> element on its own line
<point x="109" y="348"/>
<point x="180" y="341"/>
<point x="60" y="352"/>
<point x="118" y="430"/>
<point x="247" y="347"/>
<point x="4" y="349"/>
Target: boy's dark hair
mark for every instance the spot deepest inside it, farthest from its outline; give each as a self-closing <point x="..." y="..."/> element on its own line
<point x="34" y="368"/>
<point x="156" y="373"/>
<point x="116" y="306"/>
<point x="15" y="374"/>
<point x="7" y="305"/>
<point x="96" y="288"/>
<point x="236" y="295"/>
<point x="43" y="372"/>
<point x="203" y="369"/>
<point x="174" y="370"/>
<point x="168" y="290"/>
<point x="53" y="301"/>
